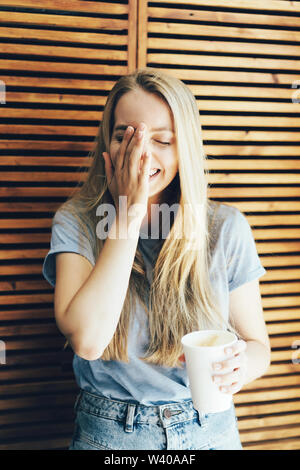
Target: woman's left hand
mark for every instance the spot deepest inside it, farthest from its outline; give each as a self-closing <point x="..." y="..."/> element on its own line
<point x="230" y="373"/>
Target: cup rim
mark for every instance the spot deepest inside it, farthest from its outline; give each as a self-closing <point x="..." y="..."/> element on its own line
<point x="194" y="333"/>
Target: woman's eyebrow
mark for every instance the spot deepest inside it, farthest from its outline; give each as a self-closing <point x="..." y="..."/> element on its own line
<point x="124" y="127"/>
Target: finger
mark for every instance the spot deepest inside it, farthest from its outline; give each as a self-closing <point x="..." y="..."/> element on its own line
<point x="136" y="153"/>
<point x="108" y="166"/>
<point x="227" y="379"/>
<point x="236" y="348"/>
<point x="231" y="389"/>
<point x="228" y="366"/>
<point x="123" y="147"/>
<point x="145" y="170"/>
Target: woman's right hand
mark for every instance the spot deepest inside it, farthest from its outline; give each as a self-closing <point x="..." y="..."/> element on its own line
<point x="124" y="178"/>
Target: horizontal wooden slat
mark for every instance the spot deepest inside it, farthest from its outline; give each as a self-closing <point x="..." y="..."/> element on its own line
<point x="65" y="36"/>
<point x="256" y="409"/>
<point x="71" y="5"/>
<point x="222" y="31"/>
<point x="62" y="67"/>
<point x="64" y="52"/>
<point x="72" y="21"/>
<point x="282" y="314"/>
<point x="219" y="61"/>
<point x="282" y="444"/>
<point x="275" y="432"/>
<point x="203" y="45"/>
<point x="227" y="76"/>
<point x="284" y="393"/>
<point x="264" y="421"/>
<point x="273" y="5"/>
<point x="222" y="17"/>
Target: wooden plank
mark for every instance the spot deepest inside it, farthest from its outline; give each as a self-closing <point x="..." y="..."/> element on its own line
<point x="247" y="121"/>
<point x="72" y="21"/>
<point x="222" y="17"/>
<point x="142" y="33"/>
<point x="56" y="442"/>
<point x="278" y="247"/>
<point x="250" y="136"/>
<point x="275" y="432"/>
<point x="268" y="206"/>
<point x="253" y="178"/>
<point x="71" y="6"/>
<point x="223" y="193"/>
<point x="65" y="52"/>
<point x="265" y="421"/>
<point x="65" y="36"/>
<point x="52" y="130"/>
<point x="281" y="328"/>
<point x="41" y="176"/>
<point x="279" y="302"/>
<point x="282" y="444"/>
<point x="256" y="409"/>
<point x="38" y="161"/>
<point x="228" y="47"/>
<point x="271" y="219"/>
<point x="249" y="106"/>
<point x="37" y="430"/>
<point x="273" y="382"/>
<point x="45" y="415"/>
<point x="273" y="5"/>
<point x="231" y="32"/>
<point x="254" y="151"/>
<point x="62" y="67"/>
<point x="56" y="98"/>
<point x="282" y="314"/>
<point x="64" y="84"/>
<point x="267" y="395"/>
<point x="22" y="314"/>
<point x="227" y="76"/>
<point x="132" y="35"/>
<point x="219" y="61"/>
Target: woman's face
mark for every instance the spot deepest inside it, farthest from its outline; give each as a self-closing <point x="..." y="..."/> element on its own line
<point x="139" y="106"/>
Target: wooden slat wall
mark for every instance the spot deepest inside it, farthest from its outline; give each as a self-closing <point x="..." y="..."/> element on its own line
<point x="58" y="60"/>
<point x="241" y="60"/>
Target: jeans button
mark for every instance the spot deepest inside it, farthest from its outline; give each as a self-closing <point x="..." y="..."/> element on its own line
<point x="167" y="413"/>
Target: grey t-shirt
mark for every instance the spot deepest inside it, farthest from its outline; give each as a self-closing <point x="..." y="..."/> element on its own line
<point x="234" y="262"/>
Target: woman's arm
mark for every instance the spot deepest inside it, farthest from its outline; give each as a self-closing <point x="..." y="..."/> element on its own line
<point x="248" y="359"/>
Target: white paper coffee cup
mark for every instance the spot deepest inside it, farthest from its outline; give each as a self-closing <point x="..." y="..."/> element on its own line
<point x="201" y="350"/>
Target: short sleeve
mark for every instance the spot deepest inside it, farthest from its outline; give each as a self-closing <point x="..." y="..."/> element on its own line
<point x="243" y="263"/>
<point x="66" y="236"/>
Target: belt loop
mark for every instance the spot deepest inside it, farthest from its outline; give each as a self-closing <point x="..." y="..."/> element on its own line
<point x="129" y="417"/>
<point x="202" y="419"/>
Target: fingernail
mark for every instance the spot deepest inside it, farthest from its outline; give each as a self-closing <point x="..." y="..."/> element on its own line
<point x="217" y="366"/>
<point x="228" y="351"/>
<point x="217" y="379"/>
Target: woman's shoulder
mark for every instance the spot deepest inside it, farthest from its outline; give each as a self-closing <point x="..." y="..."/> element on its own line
<point x="221" y="215"/>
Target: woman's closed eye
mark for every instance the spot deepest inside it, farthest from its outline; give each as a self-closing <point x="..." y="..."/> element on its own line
<point x="119" y="138"/>
<point x="163" y="143"/>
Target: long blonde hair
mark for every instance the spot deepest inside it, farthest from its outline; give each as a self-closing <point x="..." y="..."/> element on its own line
<point x="180" y="297"/>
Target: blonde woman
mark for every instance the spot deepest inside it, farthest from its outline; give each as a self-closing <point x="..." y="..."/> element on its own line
<point x="141" y="256"/>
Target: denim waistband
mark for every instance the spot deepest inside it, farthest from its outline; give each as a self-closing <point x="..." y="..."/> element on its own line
<point x="130" y="413"/>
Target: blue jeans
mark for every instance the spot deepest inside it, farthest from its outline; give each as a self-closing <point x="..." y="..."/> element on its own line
<point x="103" y="424"/>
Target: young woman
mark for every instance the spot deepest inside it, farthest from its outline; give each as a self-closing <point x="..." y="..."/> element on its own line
<point x="124" y="298"/>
